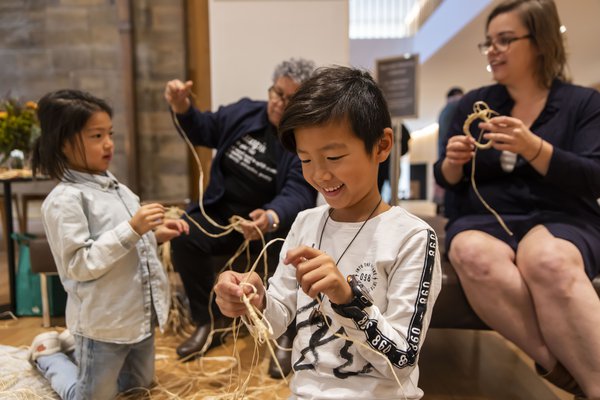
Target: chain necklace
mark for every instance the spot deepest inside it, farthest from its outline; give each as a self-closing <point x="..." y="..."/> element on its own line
<point x="316" y="316"/>
<point x="355" y="235"/>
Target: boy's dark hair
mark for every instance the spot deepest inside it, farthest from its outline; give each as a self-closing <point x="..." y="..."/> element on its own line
<point x="62" y="115"/>
<point x="336" y="94"/>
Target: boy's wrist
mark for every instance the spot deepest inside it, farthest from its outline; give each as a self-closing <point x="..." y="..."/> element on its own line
<point x="347" y="295"/>
<point x="263" y="302"/>
<point x="359" y="300"/>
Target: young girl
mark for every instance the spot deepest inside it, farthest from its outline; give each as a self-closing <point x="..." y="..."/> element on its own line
<point x="105" y="253"/>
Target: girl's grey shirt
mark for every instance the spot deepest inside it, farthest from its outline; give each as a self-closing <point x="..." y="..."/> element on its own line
<point x="113" y="277"/>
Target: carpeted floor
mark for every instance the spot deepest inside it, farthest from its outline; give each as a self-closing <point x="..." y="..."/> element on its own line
<point x="218" y="375"/>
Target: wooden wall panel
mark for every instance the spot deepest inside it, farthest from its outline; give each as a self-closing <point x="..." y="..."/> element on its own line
<point x="198" y="64"/>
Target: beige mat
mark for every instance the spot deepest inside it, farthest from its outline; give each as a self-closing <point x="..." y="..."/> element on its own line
<point x="19" y="379"/>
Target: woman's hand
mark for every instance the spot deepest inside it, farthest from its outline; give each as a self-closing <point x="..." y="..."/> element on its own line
<point x="460" y="150"/>
<point x="511" y="134"/>
<point x="171" y="229"/>
<point x="177" y="95"/>
<point x="317" y="272"/>
<point x="148" y="217"/>
<point x="229" y="292"/>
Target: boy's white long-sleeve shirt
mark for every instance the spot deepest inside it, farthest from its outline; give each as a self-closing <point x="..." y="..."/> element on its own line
<point x="395" y="256"/>
<point x="113" y="277"/>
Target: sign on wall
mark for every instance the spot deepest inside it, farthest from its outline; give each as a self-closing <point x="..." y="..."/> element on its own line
<point x="397" y="78"/>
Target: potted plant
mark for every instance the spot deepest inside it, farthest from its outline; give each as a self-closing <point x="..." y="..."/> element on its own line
<point x="19" y="128"/>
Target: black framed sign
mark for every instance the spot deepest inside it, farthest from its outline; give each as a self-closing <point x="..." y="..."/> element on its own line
<point x="397" y="78"/>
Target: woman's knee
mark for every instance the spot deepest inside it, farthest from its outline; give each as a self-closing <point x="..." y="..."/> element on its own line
<point x="473" y="257"/>
<point x="548" y="266"/>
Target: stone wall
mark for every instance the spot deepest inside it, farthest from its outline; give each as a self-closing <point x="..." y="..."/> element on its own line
<point x="160" y="48"/>
<point x="47" y="45"/>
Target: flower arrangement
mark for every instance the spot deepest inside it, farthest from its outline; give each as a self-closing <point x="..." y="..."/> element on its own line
<point x="19" y="128"/>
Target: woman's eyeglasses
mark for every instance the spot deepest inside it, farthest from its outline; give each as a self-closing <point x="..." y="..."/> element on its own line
<point x="501" y="44"/>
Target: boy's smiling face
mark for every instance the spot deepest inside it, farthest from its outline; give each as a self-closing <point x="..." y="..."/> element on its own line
<point x="335" y="162"/>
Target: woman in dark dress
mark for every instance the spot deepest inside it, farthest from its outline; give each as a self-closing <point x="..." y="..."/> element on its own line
<point x="542" y="176"/>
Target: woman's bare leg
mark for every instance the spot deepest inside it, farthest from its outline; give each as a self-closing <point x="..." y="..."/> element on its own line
<point x="497" y="292"/>
<point x="566" y="304"/>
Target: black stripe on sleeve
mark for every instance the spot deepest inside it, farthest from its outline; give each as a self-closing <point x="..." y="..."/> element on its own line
<point x="379" y="342"/>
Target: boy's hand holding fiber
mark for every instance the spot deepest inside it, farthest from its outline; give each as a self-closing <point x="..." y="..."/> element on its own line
<point x="230" y="288"/>
<point x="317" y="272"/>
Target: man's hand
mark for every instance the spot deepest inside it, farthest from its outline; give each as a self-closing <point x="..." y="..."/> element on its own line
<point x="317" y="272"/>
<point x="258" y="220"/>
<point x="177" y="95"/>
<point x="229" y="292"/>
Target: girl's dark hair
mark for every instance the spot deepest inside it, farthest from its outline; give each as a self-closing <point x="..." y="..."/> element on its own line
<point x="540" y="17"/>
<point x="62" y="115"/>
<point x="336" y="94"/>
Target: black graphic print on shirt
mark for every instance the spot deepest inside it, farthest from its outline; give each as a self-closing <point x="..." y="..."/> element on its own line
<point x="309" y="356"/>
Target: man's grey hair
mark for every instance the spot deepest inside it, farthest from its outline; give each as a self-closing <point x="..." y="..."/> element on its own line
<point x="297" y="69"/>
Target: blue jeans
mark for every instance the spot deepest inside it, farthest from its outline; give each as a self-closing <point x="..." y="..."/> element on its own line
<point x="100" y="370"/>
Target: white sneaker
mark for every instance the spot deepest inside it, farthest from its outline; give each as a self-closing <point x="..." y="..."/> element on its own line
<point x="67" y="341"/>
<point x="44" y="344"/>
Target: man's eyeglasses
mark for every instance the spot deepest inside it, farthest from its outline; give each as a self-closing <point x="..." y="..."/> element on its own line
<point x="501" y="44"/>
<point x="276" y="95"/>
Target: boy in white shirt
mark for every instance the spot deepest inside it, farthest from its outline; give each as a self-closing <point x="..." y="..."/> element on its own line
<point x="368" y="271"/>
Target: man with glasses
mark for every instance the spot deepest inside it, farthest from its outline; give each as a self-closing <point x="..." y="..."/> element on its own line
<point x="251" y="175"/>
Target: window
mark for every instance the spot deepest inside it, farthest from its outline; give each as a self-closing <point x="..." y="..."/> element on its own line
<point x="388" y="19"/>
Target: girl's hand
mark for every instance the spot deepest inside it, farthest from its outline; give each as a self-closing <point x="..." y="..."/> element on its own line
<point x="511" y="134"/>
<point x="171" y="229"/>
<point x="177" y="95"/>
<point x="460" y="150"/>
<point x="316" y="273"/>
<point x="148" y="217"/>
<point x="229" y="292"/>
<point x="259" y="220"/>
